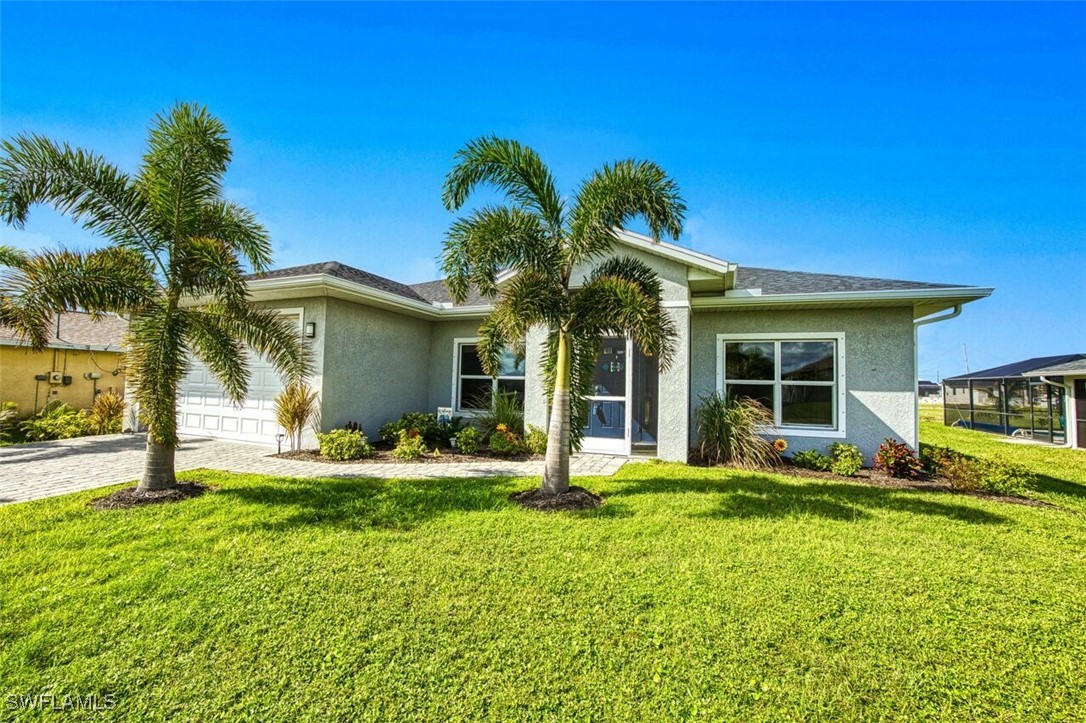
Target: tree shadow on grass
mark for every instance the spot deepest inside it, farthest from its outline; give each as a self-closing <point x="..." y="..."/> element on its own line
<point x="1053" y="485"/>
<point x="748" y="495"/>
<point x="363" y="503"/>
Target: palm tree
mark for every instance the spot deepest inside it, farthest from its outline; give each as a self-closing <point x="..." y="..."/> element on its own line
<point x="173" y="265"/>
<point x="534" y="243"/>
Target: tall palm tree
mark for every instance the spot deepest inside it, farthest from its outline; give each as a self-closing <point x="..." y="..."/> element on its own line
<point x="173" y="265"/>
<point x="541" y="238"/>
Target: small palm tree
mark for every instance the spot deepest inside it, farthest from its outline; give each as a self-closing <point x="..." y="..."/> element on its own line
<point x="542" y="238"/>
<point x="173" y="266"/>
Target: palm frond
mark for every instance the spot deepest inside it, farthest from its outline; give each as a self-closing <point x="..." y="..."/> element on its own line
<point x="187" y="155"/>
<point x="515" y="169"/>
<point x="615" y="305"/>
<point x="270" y="334"/>
<point x="616" y="194"/>
<point x="107" y="280"/>
<point x="156" y="362"/>
<point x="206" y="266"/>
<point x="491" y="239"/>
<point x="237" y="228"/>
<point x="211" y="341"/>
<point x="75" y="183"/>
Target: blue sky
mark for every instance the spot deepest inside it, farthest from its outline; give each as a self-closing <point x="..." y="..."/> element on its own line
<point x="922" y="141"/>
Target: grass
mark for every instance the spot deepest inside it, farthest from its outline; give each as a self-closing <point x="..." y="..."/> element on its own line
<point x="700" y="593"/>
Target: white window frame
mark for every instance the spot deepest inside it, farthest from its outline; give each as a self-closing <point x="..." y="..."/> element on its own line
<point x="840" y="399"/>
<point x="456" y="376"/>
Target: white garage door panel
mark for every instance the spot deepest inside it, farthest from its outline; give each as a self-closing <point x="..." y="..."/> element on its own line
<point x="204" y="410"/>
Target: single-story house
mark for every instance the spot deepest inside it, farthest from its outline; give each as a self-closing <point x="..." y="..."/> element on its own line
<point x="833" y="357"/>
<point x="1043" y="399"/>
<point x="82" y="358"/>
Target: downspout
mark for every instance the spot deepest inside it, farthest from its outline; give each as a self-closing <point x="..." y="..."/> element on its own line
<point x="956" y="311"/>
<point x="1068" y="398"/>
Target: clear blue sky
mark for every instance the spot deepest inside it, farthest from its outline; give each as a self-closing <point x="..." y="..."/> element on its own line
<point x="921" y="141"/>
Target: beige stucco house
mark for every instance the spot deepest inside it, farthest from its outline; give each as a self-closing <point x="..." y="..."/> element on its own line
<point x="834" y="357"/>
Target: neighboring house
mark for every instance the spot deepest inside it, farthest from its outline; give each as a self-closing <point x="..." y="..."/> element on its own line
<point x="82" y="358"/>
<point x="929" y="392"/>
<point x="1042" y="399"/>
<point x="832" y="356"/>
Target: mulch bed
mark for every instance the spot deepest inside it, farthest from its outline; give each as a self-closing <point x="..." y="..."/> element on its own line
<point x="874" y="477"/>
<point x="577" y="498"/>
<point x="131" y="497"/>
<point x="384" y="456"/>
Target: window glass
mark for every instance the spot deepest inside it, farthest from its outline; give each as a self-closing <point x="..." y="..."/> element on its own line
<point x="516" y="386"/>
<point x="475" y="393"/>
<point x="510" y="367"/>
<point x="762" y="393"/>
<point x="469" y="361"/>
<point x="807" y="404"/>
<point x="749" y="360"/>
<point x="808" y="361"/>
<point x="610" y="377"/>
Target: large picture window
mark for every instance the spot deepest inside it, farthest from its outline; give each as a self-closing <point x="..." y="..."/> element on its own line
<point x="800" y="380"/>
<point x="473" y="388"/>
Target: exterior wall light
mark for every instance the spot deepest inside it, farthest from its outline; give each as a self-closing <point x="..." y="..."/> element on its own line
<point x="310" y="329"/>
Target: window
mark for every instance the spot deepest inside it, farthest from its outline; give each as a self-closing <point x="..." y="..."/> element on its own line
<point x="799" y="379"/>
<point x="473" y="388"/>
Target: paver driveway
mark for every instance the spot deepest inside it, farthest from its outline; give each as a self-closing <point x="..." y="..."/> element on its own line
<point x="45" y="469"/>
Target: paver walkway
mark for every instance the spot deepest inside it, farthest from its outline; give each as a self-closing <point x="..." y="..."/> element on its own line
<point x="46" y="469"/>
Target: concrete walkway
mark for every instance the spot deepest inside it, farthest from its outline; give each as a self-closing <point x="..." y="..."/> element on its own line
<point x="46" y="469"/>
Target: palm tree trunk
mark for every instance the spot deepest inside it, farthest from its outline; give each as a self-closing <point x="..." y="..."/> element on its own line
<point x="158" y="469"/>
<point x="556" y="466"/>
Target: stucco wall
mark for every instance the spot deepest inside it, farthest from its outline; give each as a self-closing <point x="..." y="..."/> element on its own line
<point x="375" y="365"/>
<point x="19" y="365"/>
<point x="880" y="376"/>
<point x="671" y="273"/>
<point x="443" y="335"/>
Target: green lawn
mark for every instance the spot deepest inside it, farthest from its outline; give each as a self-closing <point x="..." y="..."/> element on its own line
<point x="691" y="593"/>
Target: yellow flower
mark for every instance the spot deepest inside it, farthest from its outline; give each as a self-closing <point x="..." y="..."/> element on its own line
<point x="780" y="445"/>
<point x="502" y="428"/>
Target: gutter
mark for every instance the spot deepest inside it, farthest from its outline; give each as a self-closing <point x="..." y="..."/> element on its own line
<point x="917" y="323"/>
<point x="963" y="293"/>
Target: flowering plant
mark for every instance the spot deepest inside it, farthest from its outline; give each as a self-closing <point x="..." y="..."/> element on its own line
<point x="780" y="445"/>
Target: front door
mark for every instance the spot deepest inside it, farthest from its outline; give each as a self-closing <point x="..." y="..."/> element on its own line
<point x="607" y="427"/>
<point x="1080" y="413"/>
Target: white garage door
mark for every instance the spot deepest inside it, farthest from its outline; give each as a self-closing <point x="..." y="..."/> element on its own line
<point x="204" y="410"/>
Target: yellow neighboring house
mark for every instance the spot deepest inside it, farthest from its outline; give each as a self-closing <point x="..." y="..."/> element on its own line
<point x="83" y="357"/>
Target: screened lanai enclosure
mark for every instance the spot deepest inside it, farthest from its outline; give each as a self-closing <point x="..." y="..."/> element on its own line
<point x="1016" y="400"/>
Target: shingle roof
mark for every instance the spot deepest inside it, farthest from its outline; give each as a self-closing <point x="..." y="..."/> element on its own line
<point x="1077" y="366"/>
<point x="348" y="273"/>
<point x="1028" y="367"/>
<point x="79" y="329"/>
<point x="777" y="281"/>
<point x="438" y="292"/>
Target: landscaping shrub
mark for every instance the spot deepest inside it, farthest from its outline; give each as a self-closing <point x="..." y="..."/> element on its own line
<point x="423" y="424"/>
<point x="846" y="459"/>
<point x="343" y="444"/>
<point x="56" y="421"/>
<point x="897" y="460"/>
<point x="961" y="472"/>
<point x="503" y="408"/>
<point x="934" y="458"/>
<point x="468" y="440"/>
<point x="9" y="421"/>
<point x="535" y="440"/>
<point x="728" y="431"/>
<point x="505" y="442"/>
<point x="1004" y="477"/>
<point x="106" y="413"/>
<point x="410" y="445"/>
<point x="294" y="407"/>
<point x="812" y="459"/>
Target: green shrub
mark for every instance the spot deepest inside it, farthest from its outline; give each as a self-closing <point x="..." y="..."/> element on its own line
<point x="343" y="444"/>
<point x="728" y="431"/>
<point x="847" y="459"/>
<point x="423" y="424"/>
<point x="897" y="460"/>
<point x="469" y="440"/>
<point x="56" y="421"/>
<point x="812" y="459"/>
<point x="505" y="442"/>
<point x="503" y="408"/>
<point x="294" y="408"/>
<point x="106" y="413"/>
<point x="1004" y="477"/>
<point x="961" y="472"/>
<point x="9" y="421"/>
<point x="535" y="440"/>
<point x="934" y="458"/>
<point x="410" y="445"/>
